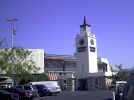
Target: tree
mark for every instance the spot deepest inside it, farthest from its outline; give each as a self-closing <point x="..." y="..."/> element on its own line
<point x="25" y="80"/>
<point x="34" y="78"/>
<point x="2" y="62"/>
<point x="122" y="75"/>
<point x="43" y="76"/>
<point x="3" y="43"/>
<point x="17" y="63"/>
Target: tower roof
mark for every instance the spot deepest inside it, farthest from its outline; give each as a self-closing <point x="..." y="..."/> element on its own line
<point x="84" y="23"/>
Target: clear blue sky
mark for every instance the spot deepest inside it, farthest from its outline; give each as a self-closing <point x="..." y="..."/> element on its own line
<point x="53" y="24"/>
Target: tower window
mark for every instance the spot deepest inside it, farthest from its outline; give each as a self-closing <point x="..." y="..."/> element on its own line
<point x="92" y="49"/>
<point x="81" y="49"/>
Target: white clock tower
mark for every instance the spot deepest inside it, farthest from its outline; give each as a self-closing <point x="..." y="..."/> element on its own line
<point x="86" y="51"/>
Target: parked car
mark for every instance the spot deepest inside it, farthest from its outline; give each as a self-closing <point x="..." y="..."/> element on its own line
<point x="42" y="89"/>
<point x="4" y="95"/>
<point x="52" y="89"/>
<point x="4" y="85"/>
<point x="52" y="86"/>
<point x="23" y="94"/>
<point x="32" y="90"/>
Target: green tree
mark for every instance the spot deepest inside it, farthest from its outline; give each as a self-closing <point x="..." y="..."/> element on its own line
<point x="2" y="58"/>
<point x="3" y="43"/>
<point x="17" y="63"/>
<point x="26" y="79"/>
<point x="34" y="78"/>
<point x="122" y="75"/>
<point x="43" y="77"/>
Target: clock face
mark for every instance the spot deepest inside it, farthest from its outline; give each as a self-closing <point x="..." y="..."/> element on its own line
<point x="92" y="42"/>
<point x="81" y="41"/>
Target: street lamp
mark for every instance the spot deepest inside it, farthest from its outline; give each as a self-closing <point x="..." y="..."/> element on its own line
<point x="13" y="29"/>
<point x="13" y="32"/>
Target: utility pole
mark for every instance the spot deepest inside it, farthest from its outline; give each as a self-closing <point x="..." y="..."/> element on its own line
<point x="13" y="32"/>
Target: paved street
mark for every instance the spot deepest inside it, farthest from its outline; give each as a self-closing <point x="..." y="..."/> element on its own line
<point x="80" y="95"/>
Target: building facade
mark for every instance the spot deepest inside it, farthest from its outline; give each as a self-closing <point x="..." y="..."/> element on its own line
<point x="37" y="56"/>
<point x="63" y="67"/>
<point x="58" y="65"/>
<point x="84" y="70"/>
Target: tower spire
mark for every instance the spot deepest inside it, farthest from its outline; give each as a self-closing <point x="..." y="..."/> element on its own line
<point x="84" y="22"/>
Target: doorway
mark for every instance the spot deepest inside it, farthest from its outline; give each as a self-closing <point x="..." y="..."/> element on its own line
<point x="82" y="84"/>
<point x="96" y="83"/>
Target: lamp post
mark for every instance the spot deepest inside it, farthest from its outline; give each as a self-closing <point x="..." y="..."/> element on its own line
<point x="13" y="29"/>
<point x="13" y="32"/>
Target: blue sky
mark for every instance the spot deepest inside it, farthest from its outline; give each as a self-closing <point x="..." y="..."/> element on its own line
<point x="52" y="25"/>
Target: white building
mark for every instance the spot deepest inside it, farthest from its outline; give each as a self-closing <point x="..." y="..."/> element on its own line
<point x="104" y="66"/>
<point x="37" y="56"/>
<point x="92" y="72"/>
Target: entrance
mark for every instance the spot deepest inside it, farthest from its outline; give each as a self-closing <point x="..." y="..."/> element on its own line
<point x="82" y="84"/>
<point x="96" y="83"/>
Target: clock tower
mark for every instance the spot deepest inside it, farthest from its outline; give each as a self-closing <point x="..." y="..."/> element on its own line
<point x="86" y="51"/>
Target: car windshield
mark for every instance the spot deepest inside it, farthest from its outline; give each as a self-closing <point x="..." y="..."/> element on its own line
<point x="120" y="89"/>
<point x="19" y="87"/>
<point x="27" y="88"/>
<point x="40" y="86"/>
<point x="49" y="85"/>
<point x="34" y="87"/>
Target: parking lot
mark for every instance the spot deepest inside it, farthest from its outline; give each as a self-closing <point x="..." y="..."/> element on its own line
<point x="80" y="95"/>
